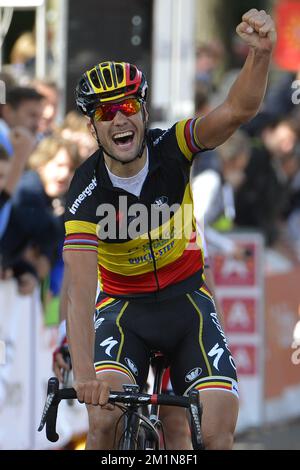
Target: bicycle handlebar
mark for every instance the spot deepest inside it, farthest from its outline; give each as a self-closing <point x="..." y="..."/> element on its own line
<point x="54" y="396"/>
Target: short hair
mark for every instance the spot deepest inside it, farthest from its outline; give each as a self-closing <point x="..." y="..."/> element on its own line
<point x="48" y="148"/>
<point x="17" y="95"/>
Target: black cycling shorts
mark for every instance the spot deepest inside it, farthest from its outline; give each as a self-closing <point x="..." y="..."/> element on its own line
<point x="185" y="329"/>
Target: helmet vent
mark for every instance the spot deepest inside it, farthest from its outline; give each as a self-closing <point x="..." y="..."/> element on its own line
<point x="120" y="73"/>
<point x="132" y="72"/>
<point x="107" y="78"/>
<point x="95" y="79"/>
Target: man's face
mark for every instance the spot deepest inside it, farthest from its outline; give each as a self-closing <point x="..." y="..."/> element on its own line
<point x="57" y="174"/>
<point x="122" y="137"/>
<point x="28" y="114"/>
<point x="280" y="140"/>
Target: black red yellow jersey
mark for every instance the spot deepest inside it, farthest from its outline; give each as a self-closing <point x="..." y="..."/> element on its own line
<point x="147" y="246"/>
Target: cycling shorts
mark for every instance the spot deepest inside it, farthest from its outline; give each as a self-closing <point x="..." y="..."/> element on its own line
<point x="185" y="329"/>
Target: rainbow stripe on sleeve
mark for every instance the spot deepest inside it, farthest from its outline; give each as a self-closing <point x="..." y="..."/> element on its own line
<point x="81" y="242"/>
<point x="187" y="139"/>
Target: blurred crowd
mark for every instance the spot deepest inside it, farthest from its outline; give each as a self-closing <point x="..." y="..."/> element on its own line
<point x="250" y="182"/>
<point x="38" y="158"/>
<point x="253" y="180"/>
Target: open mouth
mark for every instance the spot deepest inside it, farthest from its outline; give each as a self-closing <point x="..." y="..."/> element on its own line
<point x="123" y="138"/>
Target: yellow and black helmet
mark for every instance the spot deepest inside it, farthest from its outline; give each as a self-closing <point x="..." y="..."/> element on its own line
<point x="109" y="81"/>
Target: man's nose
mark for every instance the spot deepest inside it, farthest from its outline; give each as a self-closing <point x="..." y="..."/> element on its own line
<point x="119" y="118"/>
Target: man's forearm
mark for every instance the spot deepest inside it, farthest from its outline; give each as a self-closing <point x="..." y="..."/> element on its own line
<point x="247" y="92"/>
<point x="80" y="332"/>
<point x="15" y="173"/>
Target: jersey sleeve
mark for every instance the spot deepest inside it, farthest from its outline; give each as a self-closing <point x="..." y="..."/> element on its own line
<point x="187" y="139"/>
<point x="80" y="216"/>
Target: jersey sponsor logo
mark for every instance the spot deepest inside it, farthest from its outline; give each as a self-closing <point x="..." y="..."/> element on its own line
<point x="109" y="343"/>
<point x="193" y="374"/>
<point x="218" y="352"/>
<point x="98" y="323"/>
<point x="88" y="191"/>
<point x="216" y="321"/>
<point x="160" y="201"/>
<point x="160" y="138"/>
<point x="132" y="366"/>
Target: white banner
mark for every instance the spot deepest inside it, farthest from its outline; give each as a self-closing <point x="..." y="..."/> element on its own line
<point x="24" y="375"/>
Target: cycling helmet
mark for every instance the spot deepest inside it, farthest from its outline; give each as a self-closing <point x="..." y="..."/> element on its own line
<point x="109" y="81"/>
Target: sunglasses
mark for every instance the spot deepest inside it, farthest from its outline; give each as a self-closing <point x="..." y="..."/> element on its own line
<point x="107" y="112"/>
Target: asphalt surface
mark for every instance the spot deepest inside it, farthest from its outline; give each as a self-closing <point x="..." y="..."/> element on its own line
<point x="283" y="436"/>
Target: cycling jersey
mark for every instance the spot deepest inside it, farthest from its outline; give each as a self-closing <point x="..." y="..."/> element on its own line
<point x="166" y="257"/>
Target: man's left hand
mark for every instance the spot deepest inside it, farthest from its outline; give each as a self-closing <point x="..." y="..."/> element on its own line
<point x="257" y="29"/>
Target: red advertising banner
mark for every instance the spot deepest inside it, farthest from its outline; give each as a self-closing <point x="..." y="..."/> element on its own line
<point x="237" y="273"/>
<point x="245" y="357"/>
<point x="287" y="52"/>
<point x="239" y="314"/>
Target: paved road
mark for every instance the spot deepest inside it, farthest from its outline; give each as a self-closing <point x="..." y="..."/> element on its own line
<point x="285" y="436"/>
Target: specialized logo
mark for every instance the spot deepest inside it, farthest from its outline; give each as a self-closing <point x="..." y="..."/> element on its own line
<point x="88" y="191"/>
<point x="110" y="343"/>
<point x="132" y="366"/>
<point x="193" y="374"/>
<point x="218" y="352"/>
<point x="98" y="323"/>
<point x="160" y="201"/>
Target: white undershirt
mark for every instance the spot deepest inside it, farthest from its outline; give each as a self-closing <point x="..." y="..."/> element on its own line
<point x="133" y="184"/>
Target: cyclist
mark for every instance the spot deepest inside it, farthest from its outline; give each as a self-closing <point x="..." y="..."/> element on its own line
<point x="150" y="266"/>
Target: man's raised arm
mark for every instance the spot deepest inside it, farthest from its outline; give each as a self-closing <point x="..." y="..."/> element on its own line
<point x="257" y="29"/>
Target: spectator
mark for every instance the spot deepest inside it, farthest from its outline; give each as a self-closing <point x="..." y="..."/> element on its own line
<point x="23" y="54"/>
<point x="74" y="128"/>
<point x="290" y="167"/>
<point x="261" y="198"/>
<point x="35" y="225"/>
<point x="50" y="92"/>
<point x="22" y="143"/>
<point x="18" y="127"/>
<point x="208" y="58"/>
<point x="215" y="178"/>
<point x="23" y="108"/>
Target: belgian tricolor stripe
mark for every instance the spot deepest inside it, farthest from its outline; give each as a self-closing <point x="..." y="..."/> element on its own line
<point x="101" y="367"/>
<point x="117" y="284"/>
<point x="104" y="302"/>
<point x="187" y="139"/>
<point x="81" y="242"/>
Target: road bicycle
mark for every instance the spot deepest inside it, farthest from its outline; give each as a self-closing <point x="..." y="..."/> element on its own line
<point x="142" y="429"/>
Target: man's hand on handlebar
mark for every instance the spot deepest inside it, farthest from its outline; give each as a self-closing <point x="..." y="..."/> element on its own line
<point x="93" y="392"/>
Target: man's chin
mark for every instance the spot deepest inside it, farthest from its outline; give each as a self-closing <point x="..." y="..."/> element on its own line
<point x="123" y="156"/>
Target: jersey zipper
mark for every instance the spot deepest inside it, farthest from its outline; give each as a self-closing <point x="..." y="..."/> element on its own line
<point x="154" y="262"/>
